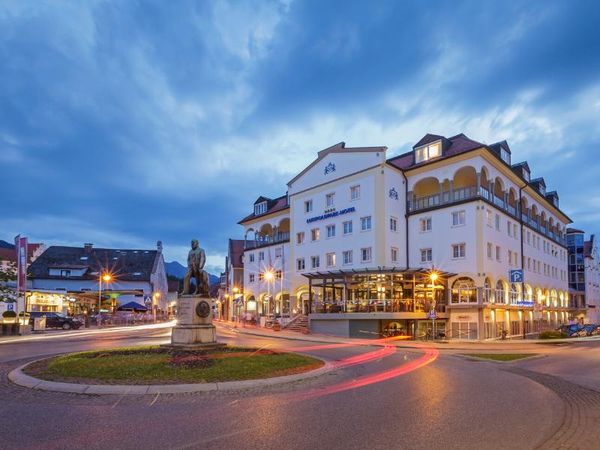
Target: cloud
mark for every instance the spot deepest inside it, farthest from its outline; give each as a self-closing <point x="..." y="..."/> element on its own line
<point x="126" y="123"/>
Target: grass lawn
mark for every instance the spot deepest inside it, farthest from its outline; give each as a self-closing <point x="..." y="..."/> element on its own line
<point x="151" y="365"/>
<point x="502" y="356"/>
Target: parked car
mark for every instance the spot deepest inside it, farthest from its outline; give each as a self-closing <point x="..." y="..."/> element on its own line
<point x="55" y="320"/>
<point x="578" y="330"/>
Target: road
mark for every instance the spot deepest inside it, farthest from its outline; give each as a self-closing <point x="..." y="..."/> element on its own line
<point x="376" y="398"/>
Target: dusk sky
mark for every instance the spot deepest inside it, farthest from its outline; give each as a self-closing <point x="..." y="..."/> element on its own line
<point x="127" y="122"/>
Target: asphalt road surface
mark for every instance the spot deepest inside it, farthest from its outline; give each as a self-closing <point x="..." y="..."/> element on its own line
<point x="378" y="397"/>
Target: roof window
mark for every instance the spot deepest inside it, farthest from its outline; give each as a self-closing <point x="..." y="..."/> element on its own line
<point x="428" y="152"/>
<point x="260" y="208"/>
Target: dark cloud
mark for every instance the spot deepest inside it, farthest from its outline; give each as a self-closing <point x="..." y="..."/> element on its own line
<point x="130" y="122"/>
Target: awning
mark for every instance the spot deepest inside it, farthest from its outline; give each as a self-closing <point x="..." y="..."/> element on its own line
<point x="132" y="306"/>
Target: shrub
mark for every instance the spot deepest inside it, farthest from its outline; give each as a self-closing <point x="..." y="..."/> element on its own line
<point x="9" y="314"/>
<point x="553" y="335"/>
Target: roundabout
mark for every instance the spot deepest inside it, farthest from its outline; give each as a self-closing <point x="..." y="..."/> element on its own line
<point x="151" y="370"/>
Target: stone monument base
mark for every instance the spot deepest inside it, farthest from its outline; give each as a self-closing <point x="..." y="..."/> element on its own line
<point x="194" y="329"/>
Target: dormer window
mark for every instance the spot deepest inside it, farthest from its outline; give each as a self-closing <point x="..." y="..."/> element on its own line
<point x="526" y="175"/>
<point x="260" y="208"/>
<point x="542" y="189"/>
<point x="505" y="155"/>
<point x="428" y="152"/>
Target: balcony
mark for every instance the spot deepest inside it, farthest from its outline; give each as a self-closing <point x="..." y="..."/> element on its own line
<point x="422" y="203"/>
<point x="265" y="241"/>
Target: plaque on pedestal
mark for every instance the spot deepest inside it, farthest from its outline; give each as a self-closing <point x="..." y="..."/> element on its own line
<point x="194" y="329"/>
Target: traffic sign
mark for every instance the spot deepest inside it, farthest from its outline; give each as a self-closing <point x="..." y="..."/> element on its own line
<point x="432" y="314"/>
<point x="10" y="307"/>
<point x="516" y="276"/>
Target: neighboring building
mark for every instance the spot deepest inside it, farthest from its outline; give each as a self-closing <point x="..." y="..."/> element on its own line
<point x="68" y="279"/>
<point x="584" y="276"/>
<point x="232" y="281"/>
<point x="8" y="253"/>
<point x="357" y="237"/>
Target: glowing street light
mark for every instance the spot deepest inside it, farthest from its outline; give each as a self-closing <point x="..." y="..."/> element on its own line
<point x="107" y="278"/>
<point x="269" y="277"/>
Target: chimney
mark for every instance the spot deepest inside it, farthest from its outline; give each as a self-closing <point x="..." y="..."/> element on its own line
<point x="88" y="247"/>
<point x="159" y="246"/>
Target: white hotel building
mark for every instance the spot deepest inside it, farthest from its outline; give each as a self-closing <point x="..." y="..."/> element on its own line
<point x="354" y="243"/>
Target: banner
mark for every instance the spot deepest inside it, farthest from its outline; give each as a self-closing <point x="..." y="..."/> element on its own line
<point x="21" y="248"/>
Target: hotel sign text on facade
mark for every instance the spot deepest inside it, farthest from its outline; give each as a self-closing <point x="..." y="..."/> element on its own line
<point x="331" y="214"/>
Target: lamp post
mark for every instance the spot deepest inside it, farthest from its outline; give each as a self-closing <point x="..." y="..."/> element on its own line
<point x="433" y="276"/>
<point x="155" y="298"/>
<point x="235" y="291"/>
<point x="107" y="278"/>
<point x="269" y="278"/>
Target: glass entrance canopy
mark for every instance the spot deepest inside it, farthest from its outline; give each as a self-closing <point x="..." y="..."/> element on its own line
<point x="377" y="290"/>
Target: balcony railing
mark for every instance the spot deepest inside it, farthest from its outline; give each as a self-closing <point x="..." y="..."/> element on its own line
<point x="471" y="192"/>
<point x="277" y="238"/>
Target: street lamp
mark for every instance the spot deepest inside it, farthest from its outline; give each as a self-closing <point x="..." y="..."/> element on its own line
<point x="155" y="298"/>
<point x="233" y="303"/>
<point x="433" y="276"/>
<point x="107" y="278"/>
<point x="269" y="277"/>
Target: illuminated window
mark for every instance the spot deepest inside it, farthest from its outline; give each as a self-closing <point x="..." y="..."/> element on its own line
<point x="330" y="259"/>
<point x="428" y="152"/>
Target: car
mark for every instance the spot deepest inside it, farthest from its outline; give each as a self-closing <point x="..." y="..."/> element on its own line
<point x="55" y="320"/>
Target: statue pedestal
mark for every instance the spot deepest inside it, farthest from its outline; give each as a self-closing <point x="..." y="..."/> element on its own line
<point x="194" y="329"/>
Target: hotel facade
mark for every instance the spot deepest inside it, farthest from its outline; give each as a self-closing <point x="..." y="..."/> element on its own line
<point x="450" y="239"/>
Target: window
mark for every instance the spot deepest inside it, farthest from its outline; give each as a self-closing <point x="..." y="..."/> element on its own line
<point x="365" y="223"/>
<point x="394" y="254"/>
<point x="498" y="256"/>
<point x="261" y="256"/>
<point x="251" y="278"/>
<point x="426" y="255"/>
<point x="278" y="252"/>
<point x="458" y="251"/>
<point x="393" y="224"/>
<point x="347" y="257"/>
<point x="490" y="250"/>
<point x="330" y="231"/>
<point x="300" y="264"/>
<point x="515" y="230"/>
<point x="314" y="262"/>
<point x="348" y="227"/>
<point x="260" y="208"/>
<point x="300" y="237"/>
<point x="458" y="218"/>
<point x="65" y="273"/>
<point x="497" y="222"/>
<point x="508" y="227"/>
<point x="329" y="200"/>
<point x="488" y="216"/>
<point x="278" y="275"/>
<point x="315" y="234"/>
<point x="308" y="206"/>
<point x="330" y="259"/>
<point x="425" y="224"/>
<point x="365" y="254"/>
<point x="261" y="276"/>
<point x="427" y="152"/>
<point x="354" y="192"/>
<point x="504" y="155"/>
<point x="510" y="258"/>
<point x="251" y="257"/>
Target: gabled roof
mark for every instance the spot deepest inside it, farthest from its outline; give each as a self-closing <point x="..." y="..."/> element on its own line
<point x="235" y="252"/>
<point x="340" y="147"/>
<point x="8" y="252"/>
<point x="574" y="230"/>
<point x="122" y="264"/>
<point x="429" y="138"/>
<point x="538" y="181"/>
<point x="273" y="205"/>
<point x="495" y="147"/>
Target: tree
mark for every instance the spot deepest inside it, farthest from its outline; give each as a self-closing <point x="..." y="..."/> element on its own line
<point x="8" y="274"/>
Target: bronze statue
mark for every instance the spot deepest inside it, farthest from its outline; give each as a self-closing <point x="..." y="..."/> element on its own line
<point x="196" y="260"/>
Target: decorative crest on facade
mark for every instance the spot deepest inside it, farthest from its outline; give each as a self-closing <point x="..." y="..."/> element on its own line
<point x="393" y="193"/>
<point x="329" y="168"/>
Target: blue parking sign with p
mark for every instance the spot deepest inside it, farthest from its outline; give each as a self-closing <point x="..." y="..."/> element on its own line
<point x="516" y="276"/>
<point x="10" y="307"/>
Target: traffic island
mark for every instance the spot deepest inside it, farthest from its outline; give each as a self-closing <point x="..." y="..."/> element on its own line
<point x="154" y="369"/>
<point x="500" y="357"/>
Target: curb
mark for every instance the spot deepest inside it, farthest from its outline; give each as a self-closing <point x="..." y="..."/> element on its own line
<point x="468" y="357"/>
<point x="19" y="378"/>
